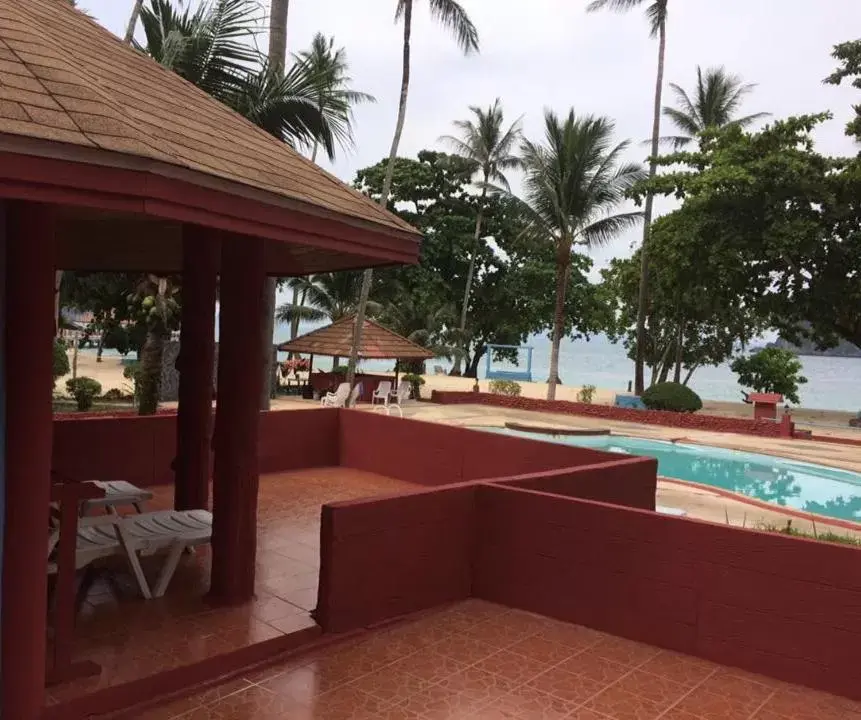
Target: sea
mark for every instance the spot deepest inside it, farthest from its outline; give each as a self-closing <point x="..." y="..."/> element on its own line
<point x="834" y="383"/>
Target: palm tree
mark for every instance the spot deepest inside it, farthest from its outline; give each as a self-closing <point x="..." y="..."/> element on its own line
<point x="484" y="142"/>
<point x="716" y="100"/>
<point x="656" y="12"/>
<point x="423" y="323"/>
<point x="454" y="18"/>
<point x="573" y="180"/>
<point x="330" y="296"/>
<point x="329" y="70"/>
<point x="133" y="22"/>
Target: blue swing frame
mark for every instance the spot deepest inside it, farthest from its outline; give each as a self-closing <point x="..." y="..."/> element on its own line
<point x="516" y="375"/>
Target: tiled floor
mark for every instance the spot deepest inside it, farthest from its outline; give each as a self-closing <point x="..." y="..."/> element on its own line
<point x="132" y="638"/>
<point x="477" y="661"/>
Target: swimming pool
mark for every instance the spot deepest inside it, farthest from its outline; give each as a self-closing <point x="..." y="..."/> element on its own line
<point x="802" y="486"/>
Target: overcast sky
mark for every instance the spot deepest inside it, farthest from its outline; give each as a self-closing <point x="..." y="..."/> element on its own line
<point x="552" y="54"/>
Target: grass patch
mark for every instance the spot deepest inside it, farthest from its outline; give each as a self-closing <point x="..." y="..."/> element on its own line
<point x="828" y="536"/>
<point x="68" y="405"/>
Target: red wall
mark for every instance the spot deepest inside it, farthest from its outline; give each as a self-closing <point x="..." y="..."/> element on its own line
<point x="141" y="449"/>
<point x="785" y="607"/>
<point x="385" y="557"/>
<point x="690" y="421"/>
<point x="631" y="482"/>
<point x="434" y="454"/>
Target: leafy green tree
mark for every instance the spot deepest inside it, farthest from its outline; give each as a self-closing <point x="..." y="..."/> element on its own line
<point x="491" y="148"/>
<point x="715" y="103"/>
<point x="330" y="75"/>
<point x="451" y="15"/>
<point x="157" y="309"/>
<point x="772" y="370"/>
<point x="573" y="181"/>
<point x="848" y="54"/>
<point x="656" y="12"/>
<point x="782" y="222"/>
<point x="60" y="364"/>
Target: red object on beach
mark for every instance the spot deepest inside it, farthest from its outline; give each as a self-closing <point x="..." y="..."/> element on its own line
<point x="765" y="405"/>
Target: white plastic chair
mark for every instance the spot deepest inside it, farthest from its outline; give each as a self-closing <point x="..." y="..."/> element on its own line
<point x="382" y="393"/>
<point x="337" y="398"/>
<point x="399" y="397"/>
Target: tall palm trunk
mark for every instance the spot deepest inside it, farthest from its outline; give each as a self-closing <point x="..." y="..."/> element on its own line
<point x="458" y="359"/>
<point x="368" y="275"/>
<point x="680" y="349"/>
<point x="149" y="379"/>
<point x="563" y="261"/>
<point x="643" y="297"/>
<point x="277" y="55"/>
<point x="133" y="22"/>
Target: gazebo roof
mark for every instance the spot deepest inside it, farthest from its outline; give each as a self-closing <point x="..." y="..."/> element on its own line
<point x="378" y="342"/>
<point x="72" y="92"/>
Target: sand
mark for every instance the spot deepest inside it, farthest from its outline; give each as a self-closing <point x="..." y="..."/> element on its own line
<point x="109" y="373"/>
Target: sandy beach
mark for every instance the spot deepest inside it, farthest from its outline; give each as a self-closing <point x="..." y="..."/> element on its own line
<point x="109" y="373"/>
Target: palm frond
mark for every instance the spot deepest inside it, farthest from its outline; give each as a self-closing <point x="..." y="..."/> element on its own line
<point x="288" y="313"/>
<point x="602" y="231"/>
<point x="656" y="12"/>
<point x="452" y="16"/>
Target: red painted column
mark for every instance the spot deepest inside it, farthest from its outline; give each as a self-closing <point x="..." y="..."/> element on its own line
<point x="29" y="337"/>
<point x="200" y="249"/>
<point x="235" y="480"/>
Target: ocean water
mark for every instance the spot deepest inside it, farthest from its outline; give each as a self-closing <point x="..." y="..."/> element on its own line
<point x="833" y="383"/>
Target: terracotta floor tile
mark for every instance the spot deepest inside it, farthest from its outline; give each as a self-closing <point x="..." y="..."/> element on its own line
<point x="804" y="704"/>
<point x="577" y="637"/>
<point x="709" y="706"/>
<point x="624" y="652"/>
<point x="542" y="650"/>
<point x="346" y="703"/>
<point x="440" y="703"/>
<point x="390" y="684"/>
<point x="529" y="703"/>
<point x="505" y="630"/>
<point x="683" y="669"/>
<point x="464" y="649"/>
<point x="621" y="705"/>
<point x="305" y="683"/>
<point x="255" y="703"/>
<point x="512" y="666"/>
<point x="660" y="691"/>
<point x="429" y="665"/>
<point x="743" y="691"/>
<point x="478" y="685"/>
<point x="575" y="689"/>
<point x="594" y="667"/>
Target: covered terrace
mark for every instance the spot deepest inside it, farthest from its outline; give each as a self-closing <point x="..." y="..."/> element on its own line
<point x="110" y="162"/>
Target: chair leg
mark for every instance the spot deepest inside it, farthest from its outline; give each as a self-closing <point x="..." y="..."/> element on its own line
<point x="134" y="563"/>
<point x="168" y="569"/>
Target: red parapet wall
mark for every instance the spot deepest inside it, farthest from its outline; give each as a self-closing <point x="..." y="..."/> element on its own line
<point x="771" y="604"/>
<point x="433" y="454"/>
<point x="296" y="439"/>
<point x="381" y="558"/>
<point x="688" y="421"/>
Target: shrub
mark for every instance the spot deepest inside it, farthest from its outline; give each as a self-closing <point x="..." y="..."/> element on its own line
<point x="505" y="387"/>
<point x="84" y="390"/>
<point x="772" y="370"/>
<point x="416" y="381"/>
<point x="132" y="372"/>
<point x="61" y="361"/>
<point x="116" y="395"/>
<point x="340" y="369"/>
<point x="586" y="394"/>
<point x="672" y="396"/>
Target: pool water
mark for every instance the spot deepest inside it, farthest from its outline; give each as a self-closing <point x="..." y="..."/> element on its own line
<point x="802" y="486"/>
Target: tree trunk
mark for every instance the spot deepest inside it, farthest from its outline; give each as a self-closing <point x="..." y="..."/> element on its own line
<point x="643" y="295"/>
<point x="563" y="259"/>
<point x="459" y="352"/>
<point x="133" y="22"/>
<point x="101" y="345"/>
<point x="149" y="378"/>
<point x="368" y="275"/>
<point x="680" y="347"/>
<point x="475" y="361"/>
<point x="294" y="323"/>
<point x="277" y="55"/>
<point x="58" y="279"/>
<point x="688" y="376"/>
<point x="278" y="10"/>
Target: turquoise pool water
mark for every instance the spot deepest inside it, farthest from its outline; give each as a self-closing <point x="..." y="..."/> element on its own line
<point x="798" y="485"/>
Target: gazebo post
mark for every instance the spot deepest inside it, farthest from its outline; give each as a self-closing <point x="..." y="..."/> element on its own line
<point x="237" y="419"/>
<point x="29" y="247"/>
<point x="197" y="354"/>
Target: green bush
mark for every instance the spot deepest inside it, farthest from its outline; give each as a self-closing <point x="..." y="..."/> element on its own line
<point x="340" y="369"/>
<point x="416" y="381"/>
<point x="61" y="360"/>
<point x="116" y="395"/>
<point x="772" y="370"/>
<point x="84" y="390"/>
<point x="672" y="396"/>
<point x="586" y="394"/>
<point x="505" y="387"/>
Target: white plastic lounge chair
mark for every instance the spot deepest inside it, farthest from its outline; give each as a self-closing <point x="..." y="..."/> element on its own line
<point x="382" y="393"/>
<point x="399" y="397"/>
<point x="118" y="493"/>
<point x="337" y="398"/>
<point x="170" y="531"/>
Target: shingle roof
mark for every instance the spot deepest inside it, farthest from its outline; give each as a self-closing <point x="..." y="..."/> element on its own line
<point x="336" y="340"/>
<point x="64" y="78"/>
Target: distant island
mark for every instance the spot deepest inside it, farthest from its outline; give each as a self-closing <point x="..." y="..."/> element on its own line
<point x="844" y="349"/>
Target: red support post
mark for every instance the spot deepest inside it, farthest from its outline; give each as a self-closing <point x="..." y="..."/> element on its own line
<point x="200" y="249"/>
<point x="29" y="356"/>
<point x="237" y="419"/>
